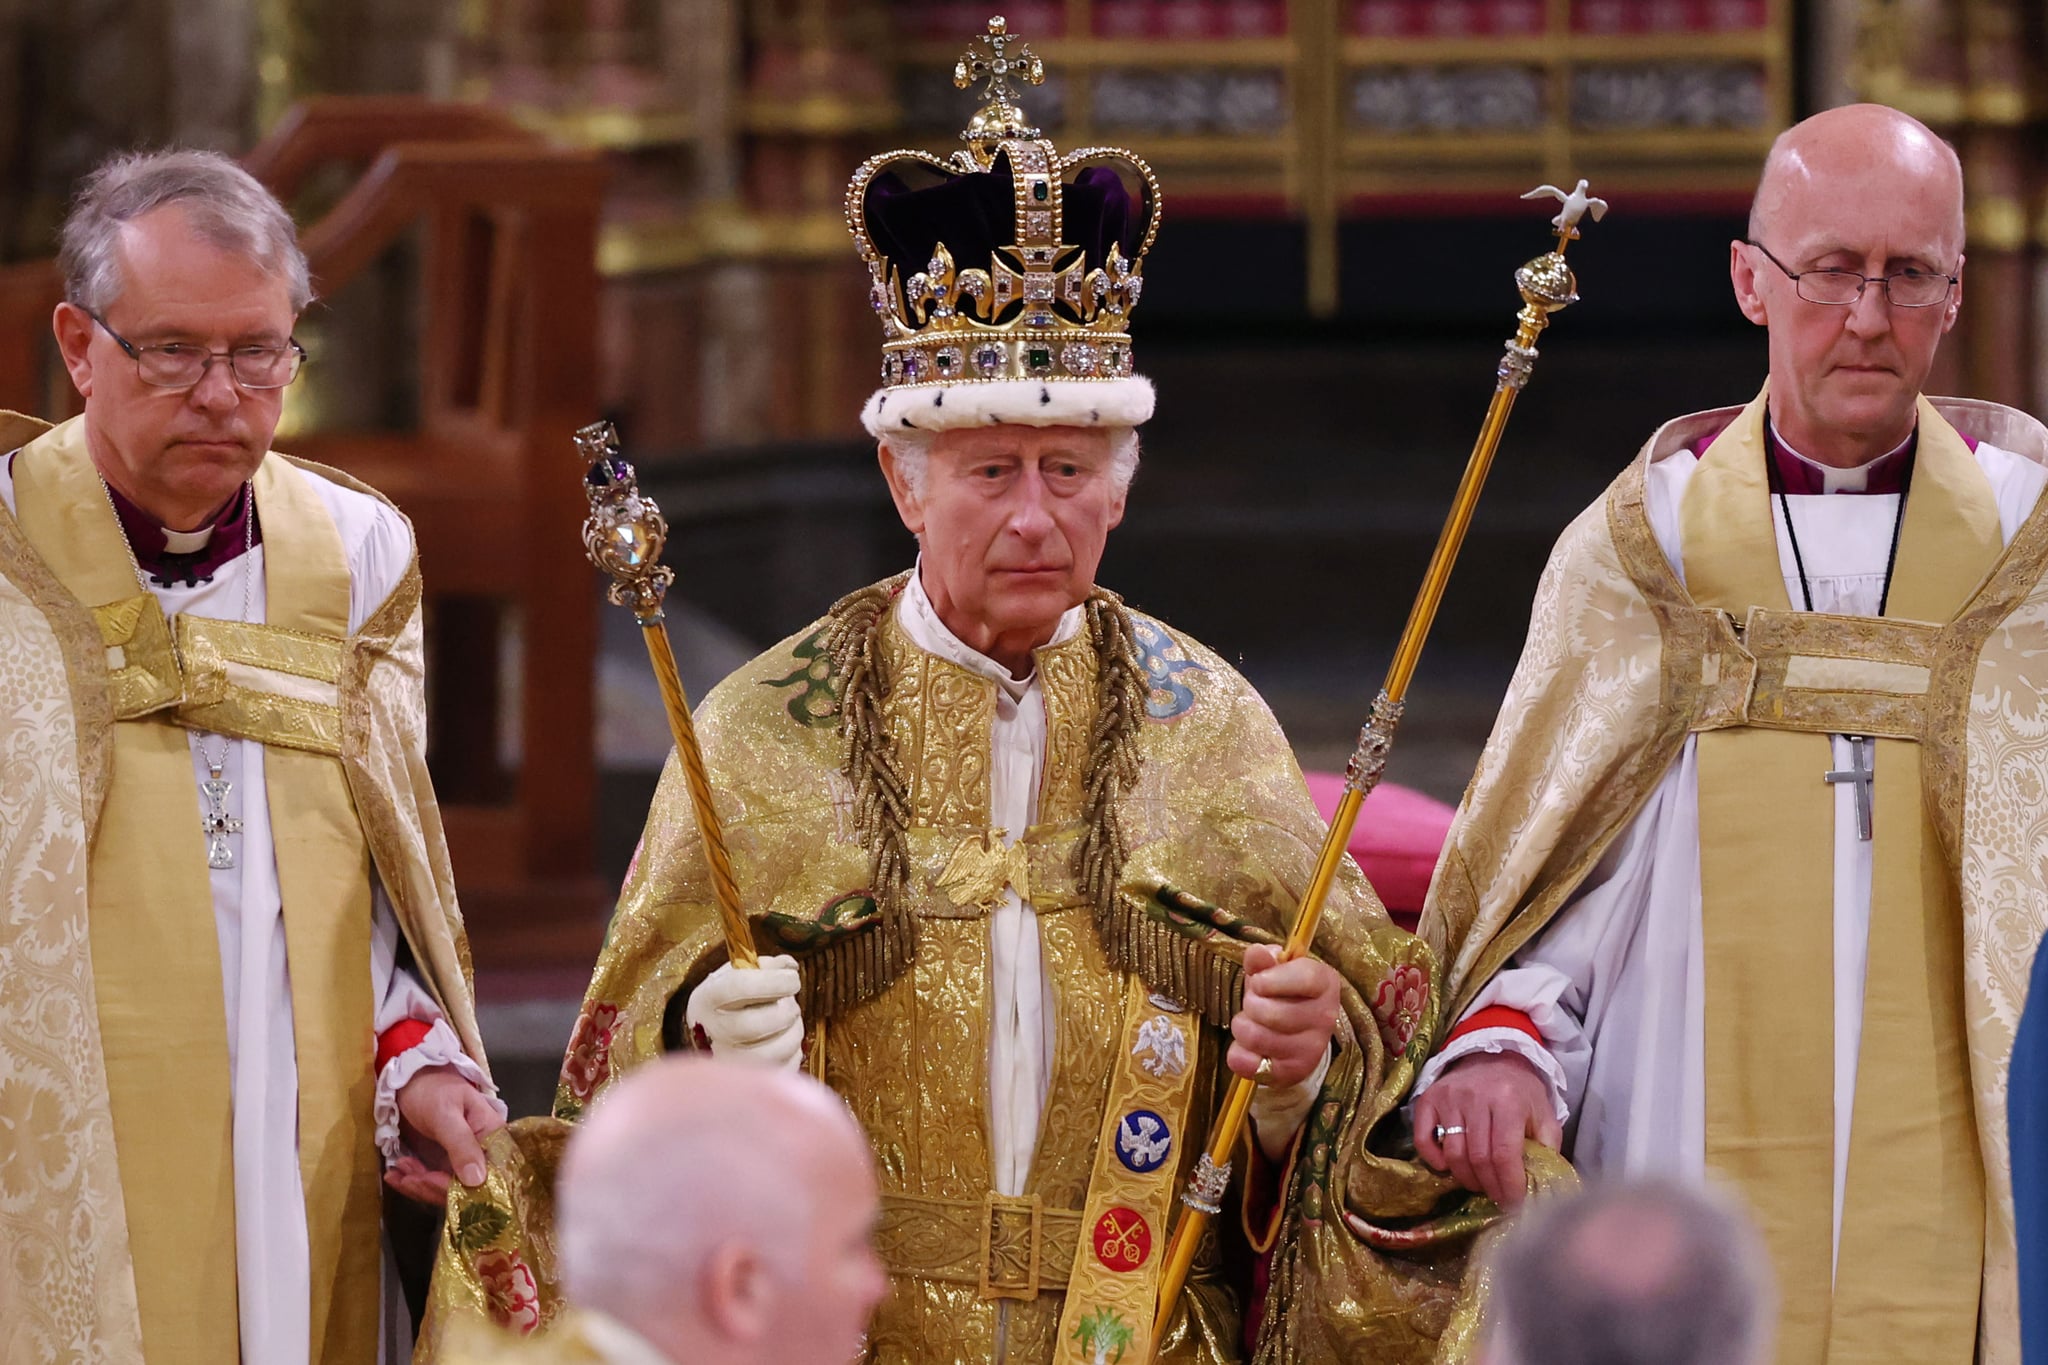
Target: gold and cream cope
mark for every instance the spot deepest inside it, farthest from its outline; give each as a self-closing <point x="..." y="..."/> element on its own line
<point x="1051" y="308"/>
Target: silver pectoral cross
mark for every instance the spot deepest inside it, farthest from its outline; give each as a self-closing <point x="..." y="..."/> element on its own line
<point x="1861" y="774"/>
<point x="216" y="821"/>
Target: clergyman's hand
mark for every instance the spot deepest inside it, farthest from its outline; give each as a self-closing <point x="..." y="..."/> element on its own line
<point x="1290" y="1013"/>
<point x="443" y="1119"/>
<point x="1497" y="1099"/>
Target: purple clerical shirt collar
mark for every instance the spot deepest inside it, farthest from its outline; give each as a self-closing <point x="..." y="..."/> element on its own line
<point x="1799" y="475"/>
<point x="188" y="557"/>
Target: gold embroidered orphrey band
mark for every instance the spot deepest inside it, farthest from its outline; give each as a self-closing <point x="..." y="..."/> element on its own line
<point x="1113" y="1292"/>
<point x="243" y="680"/>
<point x="1819" y="674"/>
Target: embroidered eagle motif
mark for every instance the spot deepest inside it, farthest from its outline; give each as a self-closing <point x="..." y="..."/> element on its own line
<point x="1169" y="1051"/>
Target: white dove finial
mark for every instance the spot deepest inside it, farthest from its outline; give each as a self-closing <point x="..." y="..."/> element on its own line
<point x="1576" y="205"/>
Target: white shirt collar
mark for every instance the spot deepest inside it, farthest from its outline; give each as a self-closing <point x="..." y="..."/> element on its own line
<point x="921" y="622"/>
<point x="618" y="1343"/>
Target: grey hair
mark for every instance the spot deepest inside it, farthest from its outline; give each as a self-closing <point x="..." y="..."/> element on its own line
<point x="913" y="450"/>
<point x="1646" y="1272"/>
<point x="226" y="206"/>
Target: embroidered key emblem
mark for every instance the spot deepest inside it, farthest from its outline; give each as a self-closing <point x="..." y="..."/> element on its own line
<point x="1123" y="1240"/>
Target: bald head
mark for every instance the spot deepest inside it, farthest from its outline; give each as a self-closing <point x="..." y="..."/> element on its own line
<point x="702" y="1204"/>
<point x="1647" y="1273"/>
<point x="1859" y="145"/>
<point x="1854" y="261"/>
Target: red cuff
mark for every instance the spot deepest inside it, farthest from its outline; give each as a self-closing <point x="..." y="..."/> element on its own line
<point x="1496" y="1016"/>
<point x="402" y="1037"/>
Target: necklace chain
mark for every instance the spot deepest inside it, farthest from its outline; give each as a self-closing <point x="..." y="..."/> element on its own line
<point x="214" y="765"/>
<point x="1777" y="486"/>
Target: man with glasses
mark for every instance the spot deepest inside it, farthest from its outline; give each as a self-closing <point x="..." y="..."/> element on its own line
<point x="233" y="994"/>
<point x="1749" y="879"/>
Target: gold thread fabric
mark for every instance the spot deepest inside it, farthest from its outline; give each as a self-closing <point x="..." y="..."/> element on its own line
<point x="323" y="873"/>
<point x="564" y="1343"/>
<point x="1767" y="891"/>
<point x="60" y="544"/>
<point x="497" y="1264"/>
<point x="68" y="1281"/>
<point x="156" y="961"/>
<point x="1622" y="663"/>
<point x="1220" y="840"/>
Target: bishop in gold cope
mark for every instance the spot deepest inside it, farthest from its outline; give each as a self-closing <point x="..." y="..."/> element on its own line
<point x="1743" y="886"/>
<point x="234" y="993"/>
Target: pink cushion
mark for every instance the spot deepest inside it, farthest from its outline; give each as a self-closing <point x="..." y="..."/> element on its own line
<point x="1399" y="834"/>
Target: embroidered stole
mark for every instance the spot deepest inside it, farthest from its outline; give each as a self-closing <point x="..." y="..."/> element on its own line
<point x="1908" y="1279"/>
<point x="155" y="952"/>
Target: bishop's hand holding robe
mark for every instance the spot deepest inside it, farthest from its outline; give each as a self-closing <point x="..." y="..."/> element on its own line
<point x="233" y="983"/>
<point x="1738" y="891"/>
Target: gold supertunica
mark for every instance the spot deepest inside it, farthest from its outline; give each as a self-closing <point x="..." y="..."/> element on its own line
<point x="1040" y="309"/>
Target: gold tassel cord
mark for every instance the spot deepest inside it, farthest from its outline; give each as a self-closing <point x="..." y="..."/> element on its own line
<point x="623" y="536"/>
<point x="1546" y="285"/>
<point x="881" y="796"/>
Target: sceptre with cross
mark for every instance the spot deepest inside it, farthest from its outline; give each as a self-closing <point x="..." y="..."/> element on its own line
<point x="1547" y="284"/>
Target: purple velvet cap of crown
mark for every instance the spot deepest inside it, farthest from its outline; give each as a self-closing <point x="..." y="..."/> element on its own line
<point x="974" y="213"/>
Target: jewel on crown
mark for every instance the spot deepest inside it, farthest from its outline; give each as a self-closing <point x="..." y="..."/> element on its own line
<point x="1050" y="294"/>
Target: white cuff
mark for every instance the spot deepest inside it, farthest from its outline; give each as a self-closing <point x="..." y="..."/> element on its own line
<point x="1278" y="1113"/>
<point x="1499" y="1040"/>
<point x="439" y="1048"/>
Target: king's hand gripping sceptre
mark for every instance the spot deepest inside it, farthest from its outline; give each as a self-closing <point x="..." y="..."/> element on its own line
<point x="1546" y="285"/>
<point x="623" y="536"/>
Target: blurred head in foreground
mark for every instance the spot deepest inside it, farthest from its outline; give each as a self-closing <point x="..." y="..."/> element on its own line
<point x="723" y="1214"/>
<point x="1631" y="1273"/>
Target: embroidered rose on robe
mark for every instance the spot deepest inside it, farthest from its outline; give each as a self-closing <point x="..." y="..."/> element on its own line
<point x="590" y="1051"/>
<point x="509" y="1291"/>
<point x="1398" y="1005"/>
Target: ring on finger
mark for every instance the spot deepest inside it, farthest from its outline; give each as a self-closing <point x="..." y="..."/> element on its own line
<point x="1441" y="1132"/>
<point x="1264" y="1075"/>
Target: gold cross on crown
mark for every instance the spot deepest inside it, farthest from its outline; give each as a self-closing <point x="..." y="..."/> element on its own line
<point x="997" y="57"/>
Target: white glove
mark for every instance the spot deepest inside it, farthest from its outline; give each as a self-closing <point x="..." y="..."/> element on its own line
<point x="749" y="1015"/>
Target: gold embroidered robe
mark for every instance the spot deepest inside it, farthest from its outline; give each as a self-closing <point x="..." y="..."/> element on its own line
<point x="1623" y="664"/>
<point x="116" y="1173"/>
<point x="1222" y="838"/>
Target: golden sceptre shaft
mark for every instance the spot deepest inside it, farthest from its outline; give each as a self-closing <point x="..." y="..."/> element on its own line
<point x="623" y="536"/>
<point x="1547" y="285"/>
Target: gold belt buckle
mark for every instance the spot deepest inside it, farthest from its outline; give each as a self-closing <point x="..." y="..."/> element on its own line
<point x="1006" y="1283"/>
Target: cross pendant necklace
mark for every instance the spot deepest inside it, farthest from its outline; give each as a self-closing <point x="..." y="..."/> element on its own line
<point x="215" y="822"/>
<point x="1861" y="773"/>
